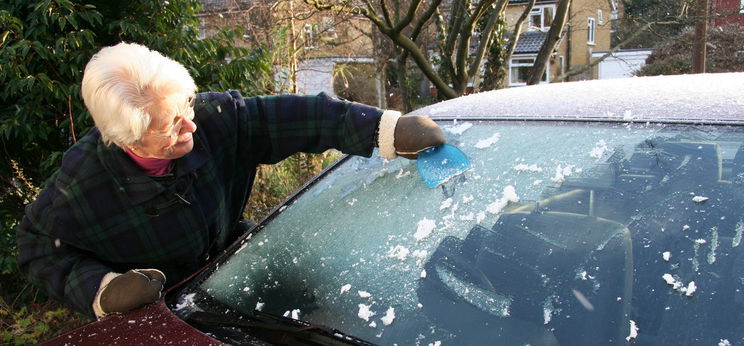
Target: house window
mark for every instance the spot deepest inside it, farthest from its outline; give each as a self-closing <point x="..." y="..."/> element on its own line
<point x="591" y="30"/>
<point x="600" y="17"/>
<point x="541" y="17"/>
<point x="741" y="7"/>
<point x="310" y="33"/>
<point x="520" y="69"/>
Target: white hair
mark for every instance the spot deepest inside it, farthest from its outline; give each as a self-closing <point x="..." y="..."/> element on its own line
<point x="120" y="82"/>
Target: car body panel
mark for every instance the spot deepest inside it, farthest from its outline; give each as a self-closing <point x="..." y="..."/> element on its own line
<point x="626" y="99"/>
<point x="153" y="324"/>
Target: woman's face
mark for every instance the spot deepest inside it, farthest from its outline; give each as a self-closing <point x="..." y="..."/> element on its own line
<point x="170" y="134"/>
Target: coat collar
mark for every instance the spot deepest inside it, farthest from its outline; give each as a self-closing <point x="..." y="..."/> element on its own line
<point x="138" y="186"/>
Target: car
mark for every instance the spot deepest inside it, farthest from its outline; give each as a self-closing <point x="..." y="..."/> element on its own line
<point x="595" y="213"/>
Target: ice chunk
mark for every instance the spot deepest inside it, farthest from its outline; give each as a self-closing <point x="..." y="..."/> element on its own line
<point x="364" y="312"/>
<point x="423" y="274"/>
<point x="260" y="306"/>
<point x="699" y="199"/>
<point x="345" y="288"/>
<point x="402" y="174"/>
<point x="458" y="129"/>
<point x="561" y="173"/>
<point x="389" y="316"/>
<point x="633" y="331"/>
<point x="399" y="251"/>
<point x="467" y="217"/>
<point x="666" y="255"/>
<point x="713" y="245"/>
<point x="480" y="217"/>
<point x="241" y="248"/>
<point x="509" y="195"/>
<point x="420" y="254"/>
<point x="670" y="280"/>
<point x="691" y="288"/>
<point x="364" y="294"/>
<point x="446" y="204"/>
<point x="424" y="229"/>
<point x="724" y="342"/>
<point x="188" y="300"/>
<point x="527" y="168"/>
<point x="485" y="143"/>
<point x="599" y="149"/>
<point x="548" y="309"/>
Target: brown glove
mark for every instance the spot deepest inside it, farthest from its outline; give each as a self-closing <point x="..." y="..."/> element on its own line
<point x="415" y="133"/>
<point x="132" y="290"/>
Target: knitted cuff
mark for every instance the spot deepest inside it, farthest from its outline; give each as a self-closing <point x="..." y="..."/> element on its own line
<point x="386" y="133"/>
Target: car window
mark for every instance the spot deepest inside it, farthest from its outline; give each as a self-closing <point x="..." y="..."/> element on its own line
<point x="561" y="233"/>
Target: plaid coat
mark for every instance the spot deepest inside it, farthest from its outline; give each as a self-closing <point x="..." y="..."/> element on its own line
<point x="99" y="213"/>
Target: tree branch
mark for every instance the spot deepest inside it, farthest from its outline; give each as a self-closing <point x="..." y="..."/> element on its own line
<point x="456" y="17"/>
<point x="480" y="10"/>
<point x="419" y="24"/>
<point x="423" y="63"/>
<point x="445" y="53"/>
<point x="385" y="13"/>
<point x="556" y="29"/>
<point x="408" y="17"/>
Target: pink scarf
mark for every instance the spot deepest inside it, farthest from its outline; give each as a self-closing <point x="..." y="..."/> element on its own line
<point x="152" y="166"/>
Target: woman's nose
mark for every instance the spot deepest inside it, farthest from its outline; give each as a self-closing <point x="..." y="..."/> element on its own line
<point x="188" y="126"/>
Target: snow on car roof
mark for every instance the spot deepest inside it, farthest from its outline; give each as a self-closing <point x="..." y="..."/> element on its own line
<point x="701" y="98"/>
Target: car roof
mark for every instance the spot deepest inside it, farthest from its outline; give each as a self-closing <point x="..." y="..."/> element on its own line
<point x="698" y="98"/>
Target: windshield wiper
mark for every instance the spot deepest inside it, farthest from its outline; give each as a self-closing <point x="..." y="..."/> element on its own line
<point x="277" y="329"/>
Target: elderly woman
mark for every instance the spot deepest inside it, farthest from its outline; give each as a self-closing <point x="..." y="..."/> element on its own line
<point x="162" y="180"/>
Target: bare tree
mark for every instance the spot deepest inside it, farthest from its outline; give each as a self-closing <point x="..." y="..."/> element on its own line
<point x="403" y="23"/>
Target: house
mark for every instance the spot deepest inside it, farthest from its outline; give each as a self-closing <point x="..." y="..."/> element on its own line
<point x="588" y="29"/>
<point x="325" y="52"/>
<point x="728" y="12"/>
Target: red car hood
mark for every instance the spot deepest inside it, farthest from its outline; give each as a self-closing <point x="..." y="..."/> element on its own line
<point x="154" y="324"/>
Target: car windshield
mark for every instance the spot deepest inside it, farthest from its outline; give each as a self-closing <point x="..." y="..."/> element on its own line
<point x="574" y="233"/>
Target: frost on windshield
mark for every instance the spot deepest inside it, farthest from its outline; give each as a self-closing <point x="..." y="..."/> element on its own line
<point x="553" y="228"/>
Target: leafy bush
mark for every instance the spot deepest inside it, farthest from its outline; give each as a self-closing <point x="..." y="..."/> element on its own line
<point x="36" y="322"/>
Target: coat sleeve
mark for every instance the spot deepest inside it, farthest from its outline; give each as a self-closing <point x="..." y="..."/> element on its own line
<point x="279" y="126"/>
<point x="49" y="260"/>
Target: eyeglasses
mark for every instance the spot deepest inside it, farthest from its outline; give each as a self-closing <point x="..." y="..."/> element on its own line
<point x="186" y="111"/>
